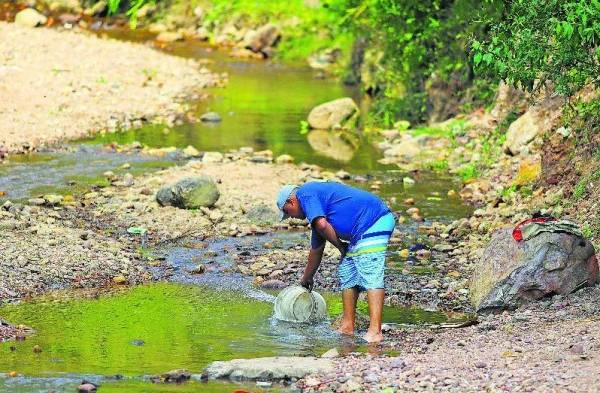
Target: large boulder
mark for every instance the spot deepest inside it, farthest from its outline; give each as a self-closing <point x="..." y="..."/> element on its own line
<point x="189" y="193"/>
<point x="538" y="119"/>
<point x="340" y="113"/>
<point x="30" y="18"/>
<point x="511" y="273"/>
<point x="268" y="368"/>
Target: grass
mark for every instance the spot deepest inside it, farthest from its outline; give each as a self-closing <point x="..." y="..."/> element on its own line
<point x="580" y="188"/>
<point x="440" y="165"/>
<point x="469" y="172"/>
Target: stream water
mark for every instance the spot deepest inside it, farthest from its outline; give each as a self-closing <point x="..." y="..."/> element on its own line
<point x="121" y="338"/>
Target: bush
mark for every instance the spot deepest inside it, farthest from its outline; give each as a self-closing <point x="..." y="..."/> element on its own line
<point x="544" y="40"/>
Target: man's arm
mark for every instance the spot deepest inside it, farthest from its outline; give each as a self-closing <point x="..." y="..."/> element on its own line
<point x="324" y="228"/>
<point x="315" y="256"/>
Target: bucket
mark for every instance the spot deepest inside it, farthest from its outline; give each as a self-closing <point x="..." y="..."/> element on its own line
<point x="296" y="304"/>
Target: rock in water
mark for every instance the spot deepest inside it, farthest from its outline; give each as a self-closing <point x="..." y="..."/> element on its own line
<point x="86" y="387"/>
<point x="340" y="113"/>
<point x="169" y="36"/>
<point x="511" y="273"/>
<point x="30" y="18"/>
<point x="264" y="37"/>
<point x="175" y="376"/>
<point x="210" y="117"/>
<point x="189" y="193"/>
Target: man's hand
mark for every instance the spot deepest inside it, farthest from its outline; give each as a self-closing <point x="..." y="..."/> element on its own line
<point x="307" y="283"/>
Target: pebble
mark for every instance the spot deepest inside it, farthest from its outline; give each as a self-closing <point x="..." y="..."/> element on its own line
<point x="408" y="181"/>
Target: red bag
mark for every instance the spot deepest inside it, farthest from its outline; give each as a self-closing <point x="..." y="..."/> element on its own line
<point x="518" y="235"/>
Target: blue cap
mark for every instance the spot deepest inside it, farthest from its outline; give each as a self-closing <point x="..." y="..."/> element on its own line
<point x="283" y="196"/>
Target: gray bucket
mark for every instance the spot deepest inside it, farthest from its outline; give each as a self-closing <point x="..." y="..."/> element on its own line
<point x="296" y="304"/>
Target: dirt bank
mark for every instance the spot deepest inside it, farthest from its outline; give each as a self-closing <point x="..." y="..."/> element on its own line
<point x="550" y="346"/>
<point x="58" y="85"/>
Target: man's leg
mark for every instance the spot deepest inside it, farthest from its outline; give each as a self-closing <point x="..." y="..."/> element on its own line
<point x="349" y="298"/>
<point x="375" y="299"/>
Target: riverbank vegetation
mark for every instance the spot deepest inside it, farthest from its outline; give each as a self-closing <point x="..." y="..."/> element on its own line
<point x="424" y="61"/>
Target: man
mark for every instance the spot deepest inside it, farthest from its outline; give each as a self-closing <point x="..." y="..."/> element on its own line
<point x="359" y="225"/>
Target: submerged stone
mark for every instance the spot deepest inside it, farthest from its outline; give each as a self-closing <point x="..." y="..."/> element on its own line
<point x="211" y="117"/>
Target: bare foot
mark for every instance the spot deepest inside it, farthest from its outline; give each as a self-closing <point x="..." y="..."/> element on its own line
<point x="349" y="331"/>
<point x="373" y="337"/>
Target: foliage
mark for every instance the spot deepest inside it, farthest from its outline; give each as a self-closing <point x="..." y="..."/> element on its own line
<point x="468" y="172"/>
<point x="584" y="120"/>
<point x="420" y="40"/>
<point x="304" y="127"/>
<point x="544" y="40"/>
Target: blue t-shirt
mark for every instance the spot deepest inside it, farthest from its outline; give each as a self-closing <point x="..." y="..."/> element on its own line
<point x="350" y="211"/>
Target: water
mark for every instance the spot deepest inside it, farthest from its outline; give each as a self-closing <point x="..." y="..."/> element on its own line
<point x="120" y="339"/>
<point x="75" y="171"/>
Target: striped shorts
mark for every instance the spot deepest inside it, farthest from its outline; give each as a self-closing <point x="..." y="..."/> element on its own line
<point x="364" y="264"/>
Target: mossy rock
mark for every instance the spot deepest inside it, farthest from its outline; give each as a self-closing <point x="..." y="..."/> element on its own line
<point x="189" y="193"/>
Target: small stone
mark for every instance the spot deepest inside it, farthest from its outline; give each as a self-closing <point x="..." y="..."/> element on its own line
<point x="371" y="378"/>
<point x="128" y="180"/>
<point x="86" y="387"/>
<point x="332" y="353"/>
<point x="408" y="181"/>
<point x="198" y="269"/>
<point x="30" y="18"/>
<point x="169" y="36"/>
<point x="36" y="201"/>
<point x="284" y="159"/>
<point x="210" y="117"/>
<point x="577" y="349"/>
<point x="443" y="247"/>
<point x="273" y="284"/>
<point x="215" y="216"/>
<point x="120" y="279"/>
<point x="176" y="376"/>
<point x="480" y="365"/>
<point x="409" y="201"/>
<point x="212" y="156"/>
<point x="190" y="152"/>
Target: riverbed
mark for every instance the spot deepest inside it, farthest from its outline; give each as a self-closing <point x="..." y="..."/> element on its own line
<point x="119" y="339"/>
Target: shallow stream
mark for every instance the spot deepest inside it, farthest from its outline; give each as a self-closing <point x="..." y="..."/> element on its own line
<point x="121" y="338"/>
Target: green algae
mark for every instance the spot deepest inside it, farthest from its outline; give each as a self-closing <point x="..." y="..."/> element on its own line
<point x="180" y="326"/>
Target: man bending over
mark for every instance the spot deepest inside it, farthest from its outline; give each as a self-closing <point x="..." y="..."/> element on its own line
<point x="359" y="225"/>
